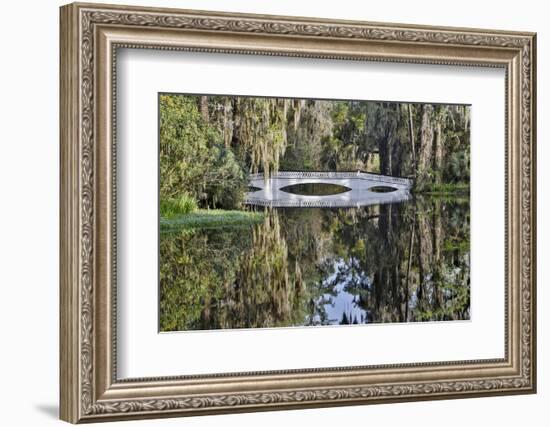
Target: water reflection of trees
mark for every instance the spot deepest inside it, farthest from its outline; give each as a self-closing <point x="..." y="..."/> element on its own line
<point x="401" y="262"/>
<point x="229" y="278"/>
<point x="415" y="256"/>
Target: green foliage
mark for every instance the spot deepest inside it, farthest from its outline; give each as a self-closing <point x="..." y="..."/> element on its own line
<point x="373" y="163"/>
<point x="207" y="152"/>
<point x="348" y="146"/>
<point x="231" y="277"/>
<point x="387" y="133"/>
<point x="308" y="134"/>
<point x="447" y="188"/>
<point x="196" y="267"/>
<point x="210" y="218"/>
<point x="457" y="168"/>
<point x="261" y="132"/>
<point x="458" y="302"/>
<point x="444" y="149"/>
<point x="454" y="244"/>
<point x="181" y="205"/>
<point x="272" y="289"/>
<point x="193" y="159"/>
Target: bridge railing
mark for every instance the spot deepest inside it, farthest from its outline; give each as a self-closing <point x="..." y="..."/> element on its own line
<point x="339" y="175"/>
<point x="319" y="203"/>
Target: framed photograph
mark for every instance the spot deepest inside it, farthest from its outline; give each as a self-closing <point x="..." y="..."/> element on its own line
<point x="266" y="212"/>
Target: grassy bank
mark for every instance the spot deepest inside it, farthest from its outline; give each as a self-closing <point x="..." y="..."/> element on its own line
<point x="211" y="218"/>
<point x="445" y="189"/>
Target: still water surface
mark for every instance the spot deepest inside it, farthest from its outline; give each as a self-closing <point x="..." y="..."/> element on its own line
<point x="400" y="262"/>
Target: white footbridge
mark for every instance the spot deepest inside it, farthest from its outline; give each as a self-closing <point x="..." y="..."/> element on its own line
<point x="362" y="189"/>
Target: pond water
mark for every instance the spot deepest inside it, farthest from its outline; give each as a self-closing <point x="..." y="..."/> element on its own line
<point x="400" y="262"/>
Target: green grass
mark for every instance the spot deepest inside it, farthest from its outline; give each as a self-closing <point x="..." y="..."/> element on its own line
<point x="210" y="218"/>
<point x="447" y="188"/>
<point x="179" y="206"/>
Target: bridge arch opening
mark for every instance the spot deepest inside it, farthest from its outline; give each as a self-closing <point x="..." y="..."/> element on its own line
<point x="315" y="189"/>
<point x="382" y="189"/>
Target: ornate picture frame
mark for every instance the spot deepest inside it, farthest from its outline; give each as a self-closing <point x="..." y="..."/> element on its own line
<point x="90" y="37"/>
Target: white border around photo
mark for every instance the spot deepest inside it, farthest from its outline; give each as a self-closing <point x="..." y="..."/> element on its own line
<point x="144" y="352"/>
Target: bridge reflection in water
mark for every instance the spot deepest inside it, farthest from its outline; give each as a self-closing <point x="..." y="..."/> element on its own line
<point x="363" y="189"/>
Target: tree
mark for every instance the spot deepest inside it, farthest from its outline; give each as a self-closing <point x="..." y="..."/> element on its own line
<point x="193" y="159"/>
<point x="425" y="156"/>
<point x="308" y="132"/>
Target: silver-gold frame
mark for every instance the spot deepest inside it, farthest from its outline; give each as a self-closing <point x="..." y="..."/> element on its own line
<point x="90" y="37"/>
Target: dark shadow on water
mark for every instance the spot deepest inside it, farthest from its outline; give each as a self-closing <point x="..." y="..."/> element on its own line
<point x="315" y="189"/>
<point x="50" y="410"/>
<point x="382" y="189"/>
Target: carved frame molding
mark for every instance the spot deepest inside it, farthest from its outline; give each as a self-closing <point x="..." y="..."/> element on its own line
<point x="90" y="37"/>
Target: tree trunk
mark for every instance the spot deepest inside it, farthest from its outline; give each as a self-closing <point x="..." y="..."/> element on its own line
<point x="438" y="153"/>
<point x="228" y="122"/>
<point x="411" y="136"/>
<point x="385" y="154"/>
<point x="203" y="107"/>
<point x="426" y="144"/>
<point x="438" y="239"/>
<point x="236" y="123"/>
<point x="409" y="263"/>
<point x="425" y="255"/>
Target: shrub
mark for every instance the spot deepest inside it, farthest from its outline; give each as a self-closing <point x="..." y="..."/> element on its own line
<point x="179" y="206"/>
